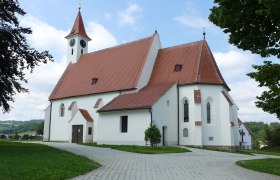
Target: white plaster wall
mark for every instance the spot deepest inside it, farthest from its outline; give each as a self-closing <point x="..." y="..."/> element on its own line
<point x="59" y="125"/>
<point x="109" y="127"/>
<point x="149" y="64"/>
<point x="47" y="123"/>
<point x="194" y="132"/>
<point x="166" y="115"/>
<point x="219" y="128"/>
<point x="77" y="49"/>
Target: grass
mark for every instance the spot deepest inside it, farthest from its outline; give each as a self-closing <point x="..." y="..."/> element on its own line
<point x="142" y="149"/>
<point x="36" y="161"/>
<point x="268" y="150"/>
<point x="270" y="165"/>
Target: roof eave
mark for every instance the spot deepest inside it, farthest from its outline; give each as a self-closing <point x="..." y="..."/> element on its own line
<point x="124" y="109"/>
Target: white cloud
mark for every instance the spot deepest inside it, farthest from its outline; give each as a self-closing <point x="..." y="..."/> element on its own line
<point x="42" y="81"/>
<point x="129" y="15"/>
<point x="101" y="37"/>
<point x="234" y="65"/>
<point x="194" y="21"/>
<point x="44" y="36"/>
<point x="192" y="18"/>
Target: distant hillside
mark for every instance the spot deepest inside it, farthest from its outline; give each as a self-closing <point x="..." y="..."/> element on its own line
<point x="11" y="126"/>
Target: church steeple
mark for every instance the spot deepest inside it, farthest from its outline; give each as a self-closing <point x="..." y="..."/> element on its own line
<point x="78" y="27"/>
<point x="77" y="40"/>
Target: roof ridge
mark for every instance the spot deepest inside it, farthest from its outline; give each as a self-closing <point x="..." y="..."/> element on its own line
<point x="183" y="45"/>
<point x="197" y="74"/>
<point x="216" y="67"/>
<point x="117" y="46"/>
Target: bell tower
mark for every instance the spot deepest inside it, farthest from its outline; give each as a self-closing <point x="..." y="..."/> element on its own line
<point x="77" y="40"/>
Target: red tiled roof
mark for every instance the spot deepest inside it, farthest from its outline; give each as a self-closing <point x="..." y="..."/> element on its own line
<point x="198" y="65"/>
<point x="86" y="115"/>
<point x="78" y="27"/>
<point x="143" y="99"/>
<point x="117" y="68"/>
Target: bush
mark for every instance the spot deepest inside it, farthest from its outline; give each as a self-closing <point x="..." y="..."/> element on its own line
<point x="152" y="134"/>
<point x="15" y="136"/>
<point x="272" y="135"/>
<point x="40" y="129"/>
<point x="25" y="137"/>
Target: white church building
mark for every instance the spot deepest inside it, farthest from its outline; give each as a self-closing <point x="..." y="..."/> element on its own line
<point x="112" y="95"/>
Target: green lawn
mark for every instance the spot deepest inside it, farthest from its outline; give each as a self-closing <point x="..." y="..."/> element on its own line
<point x="36" y="161"/>
<point x="268" y="150"/>
<point x="270" y="165"/>
<point x="142" y="149"/>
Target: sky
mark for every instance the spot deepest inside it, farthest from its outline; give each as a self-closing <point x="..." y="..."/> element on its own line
<point x="110" y="23"/>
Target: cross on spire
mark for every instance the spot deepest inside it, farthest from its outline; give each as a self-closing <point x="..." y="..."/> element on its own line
<point x="204" y="33"/>
<point x="79" y="5"/>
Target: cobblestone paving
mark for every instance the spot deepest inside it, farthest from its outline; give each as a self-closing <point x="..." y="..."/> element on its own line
<point x="198" y="164"/>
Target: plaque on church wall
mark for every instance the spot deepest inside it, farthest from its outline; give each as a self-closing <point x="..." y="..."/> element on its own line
<point x="197" y="96"/>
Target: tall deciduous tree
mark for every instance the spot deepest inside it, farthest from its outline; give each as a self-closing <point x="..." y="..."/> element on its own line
<point x="254" y="25"/>
<point x="16" y="56"/>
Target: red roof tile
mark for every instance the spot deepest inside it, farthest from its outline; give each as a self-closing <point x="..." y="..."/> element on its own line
<point x="198" y="65"/>
<point x="86" y="115"/>
<point x="117" y="68"/>
<point x="143" y="99"/>
<point x="78" y="27"/>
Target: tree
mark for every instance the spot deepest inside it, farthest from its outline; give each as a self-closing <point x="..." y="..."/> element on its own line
<point x="152" y="134"/>
<point x="268" y="75"/>
<point x="40" y="129"/>
<point x="16" y="57"/>
<point x="254" y="25"/>
<point x="272" y="135"/>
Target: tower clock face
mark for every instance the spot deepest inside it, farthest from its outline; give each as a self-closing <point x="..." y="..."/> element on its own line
<point x="83" y="43"/>
<point x="72" y="42"/>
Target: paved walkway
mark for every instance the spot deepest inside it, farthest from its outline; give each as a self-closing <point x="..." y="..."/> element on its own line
<point x="198" y="164"/>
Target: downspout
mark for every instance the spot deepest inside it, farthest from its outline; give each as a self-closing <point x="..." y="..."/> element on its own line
<point x="151" y="112"/>
<point x="178" y="111"/>
<point x="49" y="138"/>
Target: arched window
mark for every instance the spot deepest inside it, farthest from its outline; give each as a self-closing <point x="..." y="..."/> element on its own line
<point x="186" y="111"/>
<point x="208" y="108"/>
<point x="185" y="132"/>
<point x="61" y="109"/>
